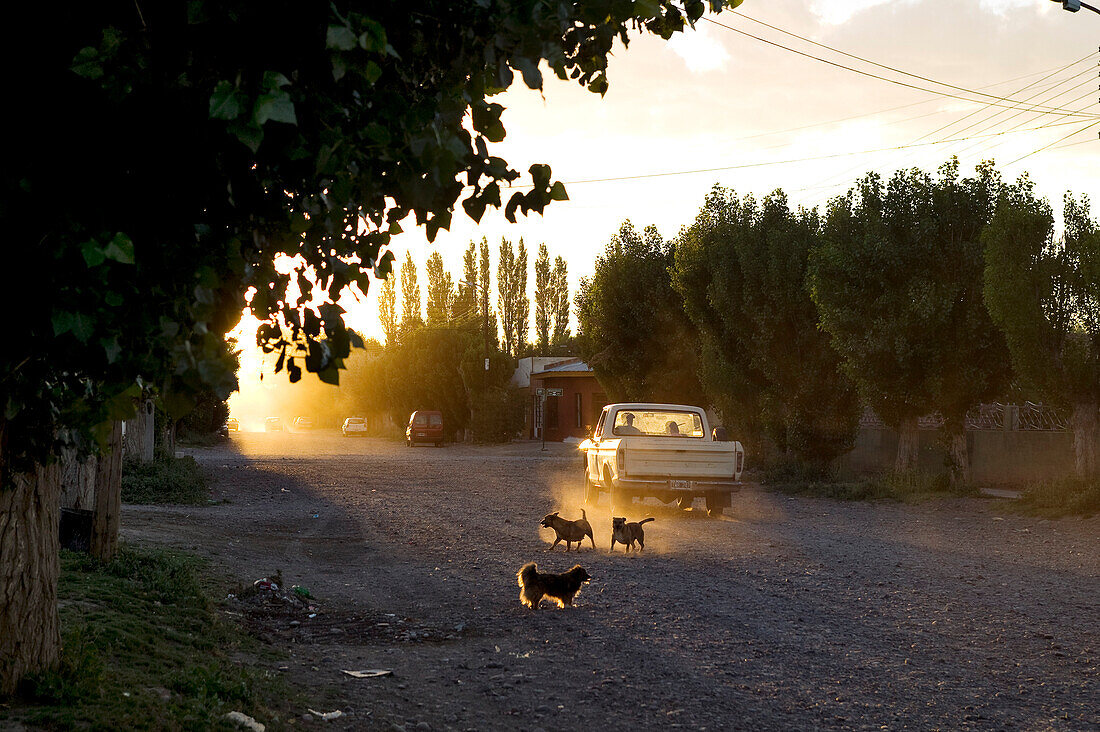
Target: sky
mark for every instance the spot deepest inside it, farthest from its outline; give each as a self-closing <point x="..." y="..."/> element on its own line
<point x="714" y="98"/>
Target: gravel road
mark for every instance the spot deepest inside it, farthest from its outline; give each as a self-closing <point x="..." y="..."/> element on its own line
<point x="787" y="614"/>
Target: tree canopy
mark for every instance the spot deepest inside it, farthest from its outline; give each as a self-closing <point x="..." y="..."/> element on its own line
<point x="634" y="332"/>
<point x="1044" y="294"/>
<point x="741" y="271"/>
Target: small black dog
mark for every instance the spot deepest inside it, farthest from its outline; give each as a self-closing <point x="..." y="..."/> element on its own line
<point x="559" y="588"/>
<point x="625" y="533"/>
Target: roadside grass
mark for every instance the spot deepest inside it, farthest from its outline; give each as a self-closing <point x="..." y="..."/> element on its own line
<point x="167" y="479"/>
<point x="143" y="647"/>
<point x="1057" y="498"/>
<point x="910" y="487"/>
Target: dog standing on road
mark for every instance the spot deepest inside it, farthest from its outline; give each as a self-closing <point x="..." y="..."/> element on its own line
<point x="625" y="533"/>
<point x="569" y="531"/>
<point x="561" y="588"/>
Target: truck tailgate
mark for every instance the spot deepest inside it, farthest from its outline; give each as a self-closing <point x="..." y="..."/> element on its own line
<point x="663" y="458"/>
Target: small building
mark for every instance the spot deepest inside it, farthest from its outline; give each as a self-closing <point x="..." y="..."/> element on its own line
<point x="574" y="413"/>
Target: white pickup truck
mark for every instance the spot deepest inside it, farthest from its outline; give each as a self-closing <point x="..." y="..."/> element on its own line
<point x="663" y="451"/>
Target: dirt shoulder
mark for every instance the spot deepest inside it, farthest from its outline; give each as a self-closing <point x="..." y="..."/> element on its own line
<point x="790" y="613"/>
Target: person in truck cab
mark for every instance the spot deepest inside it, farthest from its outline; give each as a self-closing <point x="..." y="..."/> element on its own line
<point x="672" y="428"/>
<point x="628" y="428"/>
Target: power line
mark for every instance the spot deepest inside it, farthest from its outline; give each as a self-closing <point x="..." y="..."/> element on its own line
<point x="828" y="181"/>
<point x="1061" y="139"/>
<point x="804" y="160"/>
<point x="998" y="101"/>
<point x="923" y="101"/>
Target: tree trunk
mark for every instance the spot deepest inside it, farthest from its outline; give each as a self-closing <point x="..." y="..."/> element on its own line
<point x="907" y="446"/>
<point x="108" y="498"/>
<point x="139" y="433"/>
<point x="30" y="637"/>
<point x="77" y="481"/>
<point x="1086" y="427"/>
<point x="958" y="454"/>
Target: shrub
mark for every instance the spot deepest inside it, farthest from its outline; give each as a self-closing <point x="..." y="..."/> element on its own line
<point x="166" y="479"/>
<point x="1065" y="497"/>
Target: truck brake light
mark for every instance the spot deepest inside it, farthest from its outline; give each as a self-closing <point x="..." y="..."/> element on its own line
<point x="620" y="461"/>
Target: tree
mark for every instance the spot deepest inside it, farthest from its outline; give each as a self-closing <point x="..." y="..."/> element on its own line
<point x="465" y="304"/>
<point x="410" y="295"/>
<point x="1044" y="295"/>
<point x="440" y="290"/>
<point x="741" y="271"/>
<point x="559" y="302"/>
<point x="484" y="290"/>
<point x="897" y="281"/>
<point x="507" y="301"/>
<point x="522" y="302"/>
<point x="543" y="301"/>
<point x="387" y="309"/>
<point x="313" y="130"/>
<point x="633" y="329"/>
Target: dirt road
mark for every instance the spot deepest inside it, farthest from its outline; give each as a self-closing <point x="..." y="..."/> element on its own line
<point x="790" y="613"/>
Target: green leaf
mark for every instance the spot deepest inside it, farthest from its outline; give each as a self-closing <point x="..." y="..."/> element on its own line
<point x="374" y="37"/>
<point x="120" y="249"/>
<point x="557" y="192"/>
<point x="251" y="134"/>
<point x="340" y="37"/>
<point x="274" y="80"/>
<point x="113" y="298"/>
<point x="111" y="348"/>
<point x="87" y="64"/>
<point x="225" y="102"/>
<point x="276" y="107"/>
<point x="93" y="254"/>
<point x="330" y="375"/>
<point x="647" y="8"/>
<point x="378" y="133"/>
<point x="371" y="72"/>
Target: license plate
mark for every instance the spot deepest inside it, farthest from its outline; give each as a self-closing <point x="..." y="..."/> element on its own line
<point x="421" y="434"/>
<point x="679" y="485"/>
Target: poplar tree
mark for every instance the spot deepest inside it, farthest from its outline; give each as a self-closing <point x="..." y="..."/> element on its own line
<point x="410" y="295"/>
<point x="387" y="309"/>
<point x="559" y="301"/>
<point x="544" y="301"/>
<point x="440" y="290"/>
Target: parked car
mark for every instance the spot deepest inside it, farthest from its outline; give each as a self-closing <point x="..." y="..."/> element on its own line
<point x="663" y="451"/>
<point x="302" y="423"/>
<point x="232" y="425"/>
<point x="354" y="426"/>
<point x="273" y="424"/>
<point x="424" y="426"/>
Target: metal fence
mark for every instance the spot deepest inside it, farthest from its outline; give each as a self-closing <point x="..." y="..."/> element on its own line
<point x="994" y="416"/>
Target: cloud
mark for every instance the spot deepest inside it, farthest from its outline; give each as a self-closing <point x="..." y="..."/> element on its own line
<point x="699" y="50"/>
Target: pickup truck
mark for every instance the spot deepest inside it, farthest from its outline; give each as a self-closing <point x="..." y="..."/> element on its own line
<point x="663" y="451"/>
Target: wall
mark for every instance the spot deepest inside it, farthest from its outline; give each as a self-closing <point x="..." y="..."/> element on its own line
<point x="996" y="456"/>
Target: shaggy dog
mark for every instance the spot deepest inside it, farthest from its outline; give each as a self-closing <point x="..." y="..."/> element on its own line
<point x="560" y="588"/>
<point x="569" y="531"/>
<point x="625" y="533"/>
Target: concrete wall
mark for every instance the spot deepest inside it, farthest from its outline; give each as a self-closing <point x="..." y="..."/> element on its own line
<point x="996" y="456"/>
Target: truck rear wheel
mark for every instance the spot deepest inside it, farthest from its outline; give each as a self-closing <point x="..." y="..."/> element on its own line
<point x="591" y="492"/>
<point x="716" y="503"/>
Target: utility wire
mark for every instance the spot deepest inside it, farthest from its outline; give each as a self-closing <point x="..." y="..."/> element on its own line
<point x="916" y="104"/>
<point x="841" y="178"/>
<point x="998" y="101"/>
<point x="799" y="160"/>
<point x="1061" y="139"/>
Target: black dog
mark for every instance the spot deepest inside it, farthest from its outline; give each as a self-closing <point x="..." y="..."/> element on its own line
<point x="559" y="588"/>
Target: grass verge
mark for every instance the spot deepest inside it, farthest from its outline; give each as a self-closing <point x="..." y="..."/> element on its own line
<point x="912" y="487"/>
<point x="143" y="647"/>
<point x="166" y="479"/>
<point x="1057" y="498"/>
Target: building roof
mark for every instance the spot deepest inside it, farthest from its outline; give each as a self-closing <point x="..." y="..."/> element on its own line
<point x="566" y="367"/>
